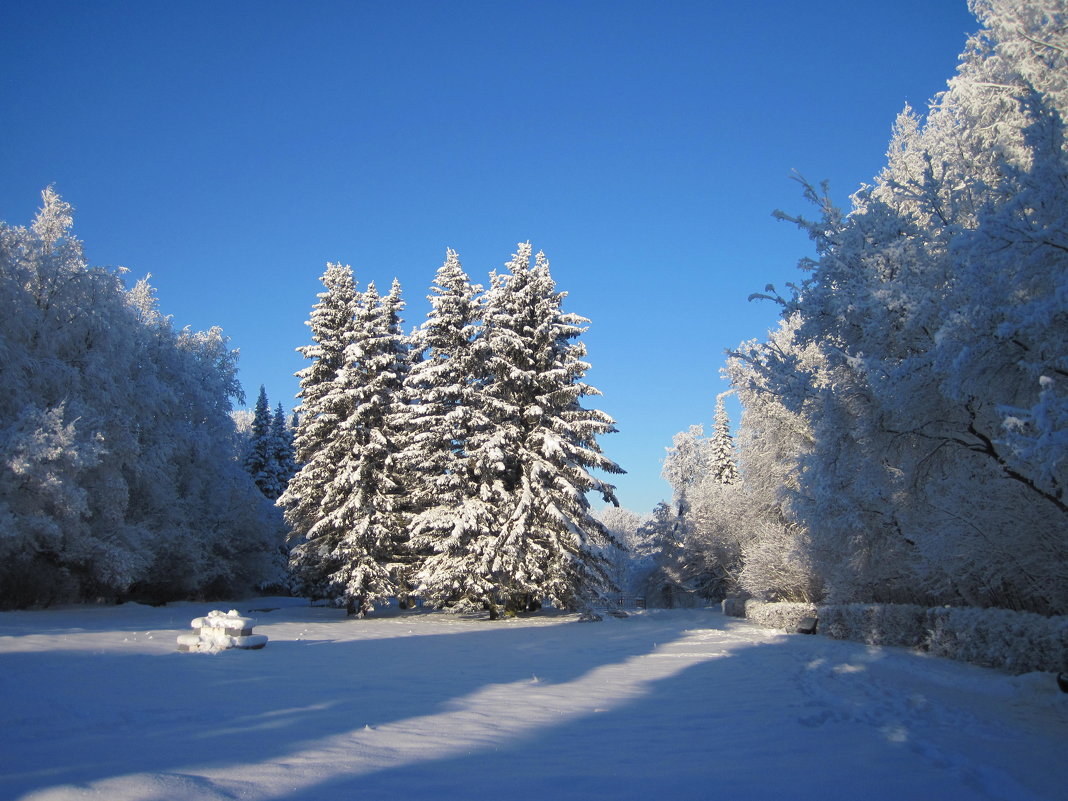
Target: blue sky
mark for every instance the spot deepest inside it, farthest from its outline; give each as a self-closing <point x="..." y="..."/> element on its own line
<point x="232" y="149"/>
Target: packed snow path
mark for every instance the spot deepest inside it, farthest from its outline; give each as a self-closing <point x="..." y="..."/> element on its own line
<point x="675" y="704"/>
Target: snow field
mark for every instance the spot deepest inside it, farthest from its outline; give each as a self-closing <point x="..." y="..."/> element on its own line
<point x="670" y="704"/>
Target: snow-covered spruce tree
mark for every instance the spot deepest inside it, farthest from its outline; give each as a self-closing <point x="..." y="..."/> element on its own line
<point x="280" y="464"/>
<point x="455" y="519"/>
<point x="357" y="545"/>
<point x="269" y="450"/>
<point x="332" y="326"/>
<point x="257" y="459"/>
<point x="535" y="456"/>
<point x="396" y="358"/>
<point x="722" y="460"/>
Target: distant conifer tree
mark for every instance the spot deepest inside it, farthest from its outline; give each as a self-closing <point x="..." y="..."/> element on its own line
<point x="722" y="460"/>
<point x="258" y="458"/>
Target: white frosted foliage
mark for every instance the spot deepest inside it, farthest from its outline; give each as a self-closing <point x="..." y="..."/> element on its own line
<point x="116" y="442"/>
<point x="912" y="407"/>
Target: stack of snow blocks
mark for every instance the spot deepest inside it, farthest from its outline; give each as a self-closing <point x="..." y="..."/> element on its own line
<point x="219" y="631"/>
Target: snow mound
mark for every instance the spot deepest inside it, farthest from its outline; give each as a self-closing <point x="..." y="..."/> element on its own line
<point x="218" y="631"/>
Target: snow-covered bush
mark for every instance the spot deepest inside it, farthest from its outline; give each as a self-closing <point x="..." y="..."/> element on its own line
<point x="1018" y="642"/>
<point x="783" y="616"/>
<point x="733" y="607"/>
<point x="875" y="624"/>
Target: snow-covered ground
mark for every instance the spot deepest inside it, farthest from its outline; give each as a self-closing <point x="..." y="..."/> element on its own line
<point x="98" y="703"/>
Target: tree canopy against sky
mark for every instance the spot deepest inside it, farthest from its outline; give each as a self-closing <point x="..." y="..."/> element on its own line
<point x="646" y="144"/>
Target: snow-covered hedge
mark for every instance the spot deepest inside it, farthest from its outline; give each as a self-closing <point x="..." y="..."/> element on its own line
<point x="1016" y="642"/>
<point x="778" y="615"/>
<point x="875" y="624"/>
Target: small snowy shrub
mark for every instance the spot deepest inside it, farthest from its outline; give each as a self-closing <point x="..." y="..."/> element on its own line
<point x="875" y="624"/>
<point x="1018" y="642"/>
<point x="784" y="616"/>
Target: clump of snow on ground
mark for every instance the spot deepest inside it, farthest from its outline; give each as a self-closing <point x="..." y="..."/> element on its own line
<point x="218" y="631"/>
<point x="676" y="704"/>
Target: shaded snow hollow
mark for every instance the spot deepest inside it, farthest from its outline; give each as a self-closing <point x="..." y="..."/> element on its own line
<point x="684" y="704"/>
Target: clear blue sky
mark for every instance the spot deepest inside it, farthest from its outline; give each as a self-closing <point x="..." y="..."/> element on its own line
<point x="232" y="149"/>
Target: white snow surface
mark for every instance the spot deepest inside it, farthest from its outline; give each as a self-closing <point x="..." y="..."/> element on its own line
<point x="683" y="704"/>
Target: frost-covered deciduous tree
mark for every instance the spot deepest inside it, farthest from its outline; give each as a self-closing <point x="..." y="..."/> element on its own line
<point x="686" y="465"/>
<point x="535" y="456"/>
<point x="935" y="471"/>
<point x="117" y="476"/>
<point x="703" y="476"/>
<point x="779" y="558"/>
<point x="242" y="431"/>
<point x="629" y="562"/>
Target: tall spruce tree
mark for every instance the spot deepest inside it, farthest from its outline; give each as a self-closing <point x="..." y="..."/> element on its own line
<point x="539" y="447"/>
<point x="320" y="417"/>
<point x="454" y="518"/>
<point x="360" y="532"/>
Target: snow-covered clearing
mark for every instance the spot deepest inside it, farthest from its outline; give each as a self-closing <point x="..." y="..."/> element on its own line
<point x="97" y="703"/>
